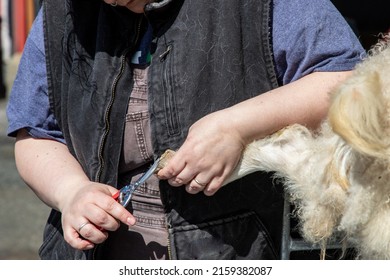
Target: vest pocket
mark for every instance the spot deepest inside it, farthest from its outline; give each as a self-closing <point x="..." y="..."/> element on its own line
<point x="137" y="146"/>
<point x="239" y="237"/>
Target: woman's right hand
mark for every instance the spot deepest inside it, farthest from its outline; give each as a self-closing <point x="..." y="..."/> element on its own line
<point x="88" y="209"/>
<point x="89" y="213"/>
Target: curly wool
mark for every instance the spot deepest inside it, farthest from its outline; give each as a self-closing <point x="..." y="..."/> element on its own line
<point x="338" y="177"/>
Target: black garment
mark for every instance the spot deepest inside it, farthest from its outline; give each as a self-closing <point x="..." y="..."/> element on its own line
<point x="208" y="55"/>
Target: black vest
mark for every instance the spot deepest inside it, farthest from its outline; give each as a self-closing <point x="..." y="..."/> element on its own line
<point x="208" y="55"/>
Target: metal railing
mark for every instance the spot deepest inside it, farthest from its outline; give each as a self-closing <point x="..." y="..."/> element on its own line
<point x="291" y="244"/>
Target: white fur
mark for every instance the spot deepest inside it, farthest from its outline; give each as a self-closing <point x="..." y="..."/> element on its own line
<point x="339" y="177"/>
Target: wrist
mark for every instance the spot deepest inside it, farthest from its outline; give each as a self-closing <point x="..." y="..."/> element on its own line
<point x="67" y="188"/>
<point x="239" y="127"/>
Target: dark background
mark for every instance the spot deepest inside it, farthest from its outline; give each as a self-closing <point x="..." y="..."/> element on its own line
<point x="368" y="18"/>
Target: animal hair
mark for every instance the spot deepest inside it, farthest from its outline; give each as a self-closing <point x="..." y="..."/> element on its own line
<point x="338" y="178"/>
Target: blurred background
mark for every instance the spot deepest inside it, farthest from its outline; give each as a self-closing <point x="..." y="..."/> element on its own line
<point x="22" y="215"/>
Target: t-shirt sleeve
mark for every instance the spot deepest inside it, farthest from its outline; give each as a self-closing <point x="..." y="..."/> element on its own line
<point x="311" y="36"/>
<point x="28" y="105"/>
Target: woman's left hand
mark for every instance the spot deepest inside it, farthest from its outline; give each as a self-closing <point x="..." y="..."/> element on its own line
<point x="208" y="156"/>
<point x="215" y="143"/>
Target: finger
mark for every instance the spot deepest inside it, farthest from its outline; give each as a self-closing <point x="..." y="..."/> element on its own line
<point x="121" y="2"/>
<point x="106" y="213"/>
<point x="102" y="219"/>
<point x="197" y="185"/>
<point x="111" y="2"/>
<point x="90" y="232"/>
<point x="183" y="178"/>
<point x="213" y="186"/>
<point x="74" y="239"/>
<point x="109" y="212"/>
<point x="192" y="190"/>
<point x="117" y="3"/>
<point x="173" y="167"/>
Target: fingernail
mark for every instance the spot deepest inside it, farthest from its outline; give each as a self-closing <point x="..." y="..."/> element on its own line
<point x="131" y="221"/>
<point x="160" y="176"/>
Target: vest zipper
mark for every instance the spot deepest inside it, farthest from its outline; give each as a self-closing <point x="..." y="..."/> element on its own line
<point x="169" y="96"/>
<point x="106" y="119"/>
<point x="169" y="248"/>
<point x="107" y="123"/>
<point x="113" y="93"/>
<point x="164" y="55"/>
<point x="168" y="242"/>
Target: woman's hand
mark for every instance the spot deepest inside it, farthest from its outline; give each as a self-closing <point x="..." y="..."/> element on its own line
<point x="88" y="209"/>
<point x="210" y="153"/>
<point x="89" y="212"/>
<point x="215" y="143"/>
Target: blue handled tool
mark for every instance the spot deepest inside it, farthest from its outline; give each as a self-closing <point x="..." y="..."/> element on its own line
<point x="124" y="194"/>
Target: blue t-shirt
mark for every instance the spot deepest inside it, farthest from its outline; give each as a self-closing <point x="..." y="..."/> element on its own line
<point x="308" y="36"/>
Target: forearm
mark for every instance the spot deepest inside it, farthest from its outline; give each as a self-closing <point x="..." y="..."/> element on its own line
<point x="305" y="101"/>
<point x="48" y="168"/>
<point x="215" y="143"/>
<point x="58" y="180"/>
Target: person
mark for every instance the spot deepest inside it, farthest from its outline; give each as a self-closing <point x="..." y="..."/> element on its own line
<point x="105" y="87"/>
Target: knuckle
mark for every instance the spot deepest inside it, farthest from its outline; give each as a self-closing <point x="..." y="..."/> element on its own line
<point x="87" y="233"/>
<point x="111" y="204"/>
<point x="192" y="185"/>
<point x="212" y="188"/>
<point x="170" y="172"/>
<point x="101" y="219"/>
<point x="191" y="189"/>
<point x="176" y="182"/>
<point x="101" y="238"/>
<point x="69" y="240"/>
<point x="179" y="181"/>
<point x="117" y="224"/>
<point x="123" y="215"/>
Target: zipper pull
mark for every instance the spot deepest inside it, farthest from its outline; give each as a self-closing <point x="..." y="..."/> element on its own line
<point x="164" y="55"/>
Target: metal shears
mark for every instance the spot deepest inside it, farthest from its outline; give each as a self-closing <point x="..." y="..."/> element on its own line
<point x="123" y="196"/>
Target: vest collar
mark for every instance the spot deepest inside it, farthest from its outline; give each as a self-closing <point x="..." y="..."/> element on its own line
<point x="162" y="14"/>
